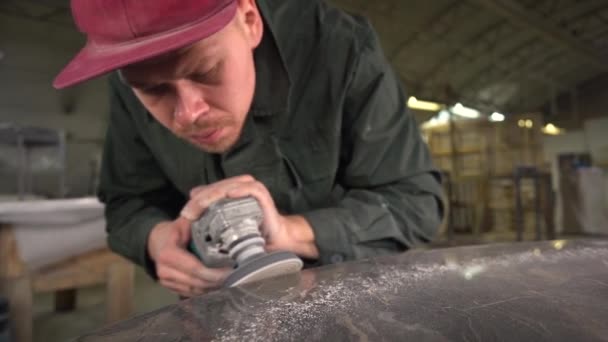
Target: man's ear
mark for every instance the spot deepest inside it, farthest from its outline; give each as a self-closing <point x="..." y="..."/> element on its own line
<point x="251" y="20"/>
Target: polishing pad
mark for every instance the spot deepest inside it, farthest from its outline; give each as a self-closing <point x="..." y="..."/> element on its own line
<point x="264" y="266"/>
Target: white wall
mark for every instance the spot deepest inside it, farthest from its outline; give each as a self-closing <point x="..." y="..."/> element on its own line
<point x="596" y="134"/>
<point x="593" y="138"/>
<point x="33" y="54"/>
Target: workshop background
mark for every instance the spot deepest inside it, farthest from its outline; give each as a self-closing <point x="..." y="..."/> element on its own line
<point x="511" y="96"/>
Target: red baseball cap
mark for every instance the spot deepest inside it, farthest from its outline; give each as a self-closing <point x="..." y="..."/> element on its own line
<point x="122" y="32"/>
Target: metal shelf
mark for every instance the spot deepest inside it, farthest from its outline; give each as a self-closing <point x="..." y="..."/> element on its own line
<point x="26" y="138"/>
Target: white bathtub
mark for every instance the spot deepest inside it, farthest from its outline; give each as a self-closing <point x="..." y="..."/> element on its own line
<point x="48" y="231"/>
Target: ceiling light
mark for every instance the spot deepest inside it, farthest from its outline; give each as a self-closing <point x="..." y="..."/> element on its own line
<point x="414" y="103"/>
<point x="497" y="117"/>
<point x="529" y="124"/>
<point x="521" y="123"/>
<point x="466" y="112"/>
<point x="551" y="129"/>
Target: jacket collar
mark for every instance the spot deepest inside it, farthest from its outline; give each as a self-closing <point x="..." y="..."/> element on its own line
<point x="273" y="83"/>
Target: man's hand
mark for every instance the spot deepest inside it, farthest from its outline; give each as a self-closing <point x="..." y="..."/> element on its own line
<point x="288" y="233"/>
<point x="178" y="269"/>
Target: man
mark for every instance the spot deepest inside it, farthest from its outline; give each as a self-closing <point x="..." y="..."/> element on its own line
<point x="289" y="101"/>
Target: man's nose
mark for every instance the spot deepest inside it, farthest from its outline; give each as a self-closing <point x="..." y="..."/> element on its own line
<point x="191" y="104"/>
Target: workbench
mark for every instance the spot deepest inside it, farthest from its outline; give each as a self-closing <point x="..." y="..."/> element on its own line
<point x="100" y="266"/>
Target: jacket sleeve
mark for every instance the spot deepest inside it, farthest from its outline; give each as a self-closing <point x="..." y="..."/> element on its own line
<point x="135" y="192"/>
<point x="393" y="193"/>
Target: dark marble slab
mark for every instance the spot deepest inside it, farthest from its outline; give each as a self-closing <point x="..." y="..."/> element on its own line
<point x="547" y="291"/>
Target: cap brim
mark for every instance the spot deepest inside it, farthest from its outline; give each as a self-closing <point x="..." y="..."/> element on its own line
<point x="95" y="60"/>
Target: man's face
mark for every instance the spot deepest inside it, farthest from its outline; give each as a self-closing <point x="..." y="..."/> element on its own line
<point x="203" y="93"/>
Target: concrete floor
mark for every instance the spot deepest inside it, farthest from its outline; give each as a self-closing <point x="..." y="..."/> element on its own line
<point x="89" y="314"/>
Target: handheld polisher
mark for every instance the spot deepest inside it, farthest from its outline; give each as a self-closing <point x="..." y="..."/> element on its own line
<point x="228" y="234"/>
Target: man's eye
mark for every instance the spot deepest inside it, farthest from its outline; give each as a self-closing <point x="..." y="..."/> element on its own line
<point x="211" y="76"/>
<point x="155" y="90"/>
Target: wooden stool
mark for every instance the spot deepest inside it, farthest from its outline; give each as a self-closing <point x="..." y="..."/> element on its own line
<point x="97" y="267"/>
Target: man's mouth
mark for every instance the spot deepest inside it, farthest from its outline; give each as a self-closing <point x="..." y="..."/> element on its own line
<point x="207" y="137"/>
